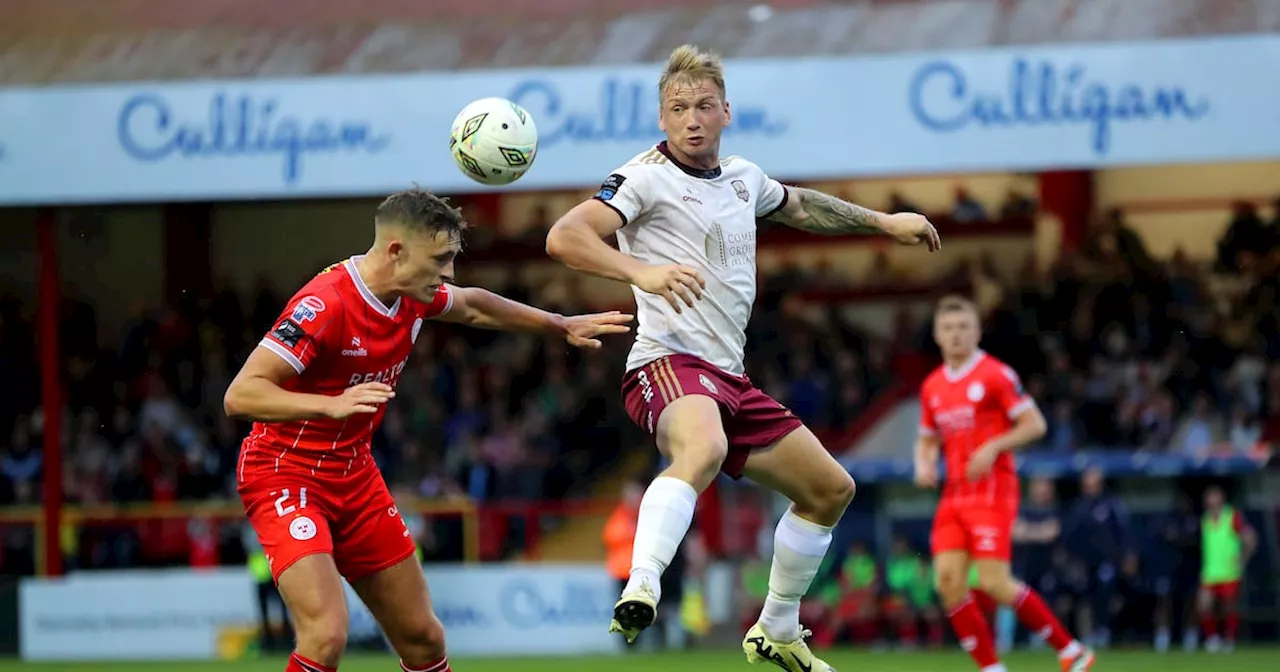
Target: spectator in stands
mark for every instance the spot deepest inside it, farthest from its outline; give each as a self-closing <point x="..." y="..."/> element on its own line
<point x="23" y="461"/>
<point x="1035" y="535"/>
<point x="1200" y="430"/>
<point x="1096" y="530"/>
<point x="1114" y="245"/>
<point x="1246" y="235"/>
<point x="1065" y="432"/>
<point x="898" y="202"/>
<point x="1017" y="205"/>
<point x="966" y="209"/>
<point x="1134" y="603"/>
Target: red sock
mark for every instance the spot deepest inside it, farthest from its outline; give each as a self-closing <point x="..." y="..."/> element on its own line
<point x="441" y="665"/>
<point x="1209" y="626"/>
<point x="974" y="633"/>
<point x="1232" y="625"/>
<point x="935" y="633"/>
<point x="299" y="664"/>
<point x="908" y="631"/>
<point x="1035" y="614"/>
<point x="985" y="603"/>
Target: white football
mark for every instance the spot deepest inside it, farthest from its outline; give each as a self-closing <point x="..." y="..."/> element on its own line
<point x="494" y="141"/>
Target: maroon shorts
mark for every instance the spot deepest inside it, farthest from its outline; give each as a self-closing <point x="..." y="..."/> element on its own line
<point x="752" y="419"/>
<point x="353" y="518"/>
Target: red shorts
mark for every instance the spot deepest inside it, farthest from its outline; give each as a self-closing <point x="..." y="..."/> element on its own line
<point x="752" y="419"/>
<point x="983" y="532"/>
<point x="353" y="518"/>
<point x="1224" y="592"/>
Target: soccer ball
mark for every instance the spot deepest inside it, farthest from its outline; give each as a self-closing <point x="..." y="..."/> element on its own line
<point x="494" y="141"/>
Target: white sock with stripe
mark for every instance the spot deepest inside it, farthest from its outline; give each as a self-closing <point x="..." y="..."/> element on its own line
<point x="665" y="514"/>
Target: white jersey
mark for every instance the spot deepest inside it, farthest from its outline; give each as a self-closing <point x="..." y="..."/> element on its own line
<point x="706" y="219"/>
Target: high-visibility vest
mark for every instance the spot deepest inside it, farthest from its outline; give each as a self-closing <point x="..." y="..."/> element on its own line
<point x="259" y="568"/>
<point x="1221" y="548"/>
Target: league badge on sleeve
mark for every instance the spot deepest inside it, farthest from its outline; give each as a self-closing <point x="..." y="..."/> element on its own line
<point x="609" y="188"/>
<point x="288" y="332"/>
<point x="307" y="309"/>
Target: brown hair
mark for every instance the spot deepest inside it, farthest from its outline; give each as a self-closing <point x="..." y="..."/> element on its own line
<point x="954" y="303"/>
<point x="422" y="210"/>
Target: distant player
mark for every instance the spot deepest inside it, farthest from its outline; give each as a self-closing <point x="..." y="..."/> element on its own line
<point x="974" y="409"/>
<point x="1227" y="543"/>
<point x="686" y="226"/>
<point x="317" y="386"/>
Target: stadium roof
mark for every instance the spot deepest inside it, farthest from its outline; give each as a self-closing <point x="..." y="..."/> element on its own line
<point x="69" y="41"/>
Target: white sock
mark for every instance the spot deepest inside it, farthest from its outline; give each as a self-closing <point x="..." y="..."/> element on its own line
<point x="998" y="667"/>
<point x="665" y="513"/>
<point x="1071" y="650"/>
<point x="798" y="547"/>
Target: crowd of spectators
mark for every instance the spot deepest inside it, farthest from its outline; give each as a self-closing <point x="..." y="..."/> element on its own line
<point x="1121" y="349"/>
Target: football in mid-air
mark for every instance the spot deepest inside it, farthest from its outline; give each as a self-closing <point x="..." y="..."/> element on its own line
<point x="494" y="141"/>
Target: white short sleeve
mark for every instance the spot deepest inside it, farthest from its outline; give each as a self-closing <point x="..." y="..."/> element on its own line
<point x="772" y="196"/>
<point x="625" y="191"/>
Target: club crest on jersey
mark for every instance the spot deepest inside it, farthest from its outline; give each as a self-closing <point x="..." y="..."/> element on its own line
<point x="976" y="392"/>
<point x="740" y="188"/>
<point x="609" y="188"/>
<point x="307" y="309"/>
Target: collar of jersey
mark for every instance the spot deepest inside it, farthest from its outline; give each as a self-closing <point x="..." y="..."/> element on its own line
<point x="700" y="173"/>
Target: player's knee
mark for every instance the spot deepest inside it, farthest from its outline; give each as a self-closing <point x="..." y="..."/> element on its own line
<point x="826" y="501"/>
<point x="998" y="583"/>
<point x="423" y="644"/>
<point x="951" y="585"/>
<point x="698" y="455"/>
<point x="322" y="639"/>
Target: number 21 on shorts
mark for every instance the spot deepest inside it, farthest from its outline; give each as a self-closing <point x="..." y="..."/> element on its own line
<point x="284" y="507"/>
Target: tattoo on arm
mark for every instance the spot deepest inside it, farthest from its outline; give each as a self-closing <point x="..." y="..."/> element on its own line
<point x="826" y="214"/>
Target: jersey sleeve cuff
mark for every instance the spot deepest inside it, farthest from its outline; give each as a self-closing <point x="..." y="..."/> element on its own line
<point x="1020" y="407"/>
<point x="786" y="195"/>
<point x="284" y="354"/>
<point x="614" y="208"/>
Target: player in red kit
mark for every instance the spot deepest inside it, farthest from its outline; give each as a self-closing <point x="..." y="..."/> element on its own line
<point x="316" y="388"/>
<point x="975" y="412"/>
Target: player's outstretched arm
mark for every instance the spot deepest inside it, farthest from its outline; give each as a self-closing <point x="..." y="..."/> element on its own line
<point x="256" y="393"/>
<point x="816" y="212"/>
<point x="577" y="241"/>
<point x="482" y="308"/>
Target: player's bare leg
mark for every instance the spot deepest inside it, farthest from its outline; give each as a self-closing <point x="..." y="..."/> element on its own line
<point x="399" y="599"/>
<point x="801" y="469"/>
<point x="996" y="579"/>
<point x="312" y="590"/>
<point x="951" y="577"/>
<point x="691" y="435"/>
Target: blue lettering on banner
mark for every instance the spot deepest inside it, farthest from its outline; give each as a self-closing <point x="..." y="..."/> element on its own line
<point x="524" y="605"/>
<point x="625" y="110"/>
<point x="944" y="100"/>
<point x="238" y="125"/>
<point x="460" y="616"/>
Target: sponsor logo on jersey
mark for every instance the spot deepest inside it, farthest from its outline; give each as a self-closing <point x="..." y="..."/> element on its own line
<point x="389" y="375"/>
<point x="355" y="352"/>
<point x="609" y="188"/>
<point x="307" y="309"/>
<point x="740" y="188"/>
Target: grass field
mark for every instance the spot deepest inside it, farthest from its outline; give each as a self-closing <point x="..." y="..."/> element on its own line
<point x="1254" y="660"/>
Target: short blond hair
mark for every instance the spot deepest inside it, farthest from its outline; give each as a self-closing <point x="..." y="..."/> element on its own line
<point x="954" y="303"/>
<point x="688" y="64"/>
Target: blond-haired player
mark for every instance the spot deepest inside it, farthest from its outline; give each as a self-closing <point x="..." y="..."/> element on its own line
<point x="974" y="412"/>
<point x="686" y="225"/>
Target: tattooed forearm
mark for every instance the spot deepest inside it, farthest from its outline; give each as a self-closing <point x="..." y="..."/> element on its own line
<point x="822" y="213"/>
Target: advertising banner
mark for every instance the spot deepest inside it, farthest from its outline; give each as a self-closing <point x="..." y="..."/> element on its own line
<point x="802" y="119"/>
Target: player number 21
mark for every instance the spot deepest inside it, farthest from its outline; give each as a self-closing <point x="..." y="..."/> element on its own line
<point x="284" y="508"/>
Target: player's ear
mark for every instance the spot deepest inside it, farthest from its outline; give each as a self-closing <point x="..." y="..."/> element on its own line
<point x="728" y="115"/>
<point x="662" y="124"/>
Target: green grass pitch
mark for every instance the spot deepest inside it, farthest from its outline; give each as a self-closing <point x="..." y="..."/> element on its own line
<point x="1249" y="660"/>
